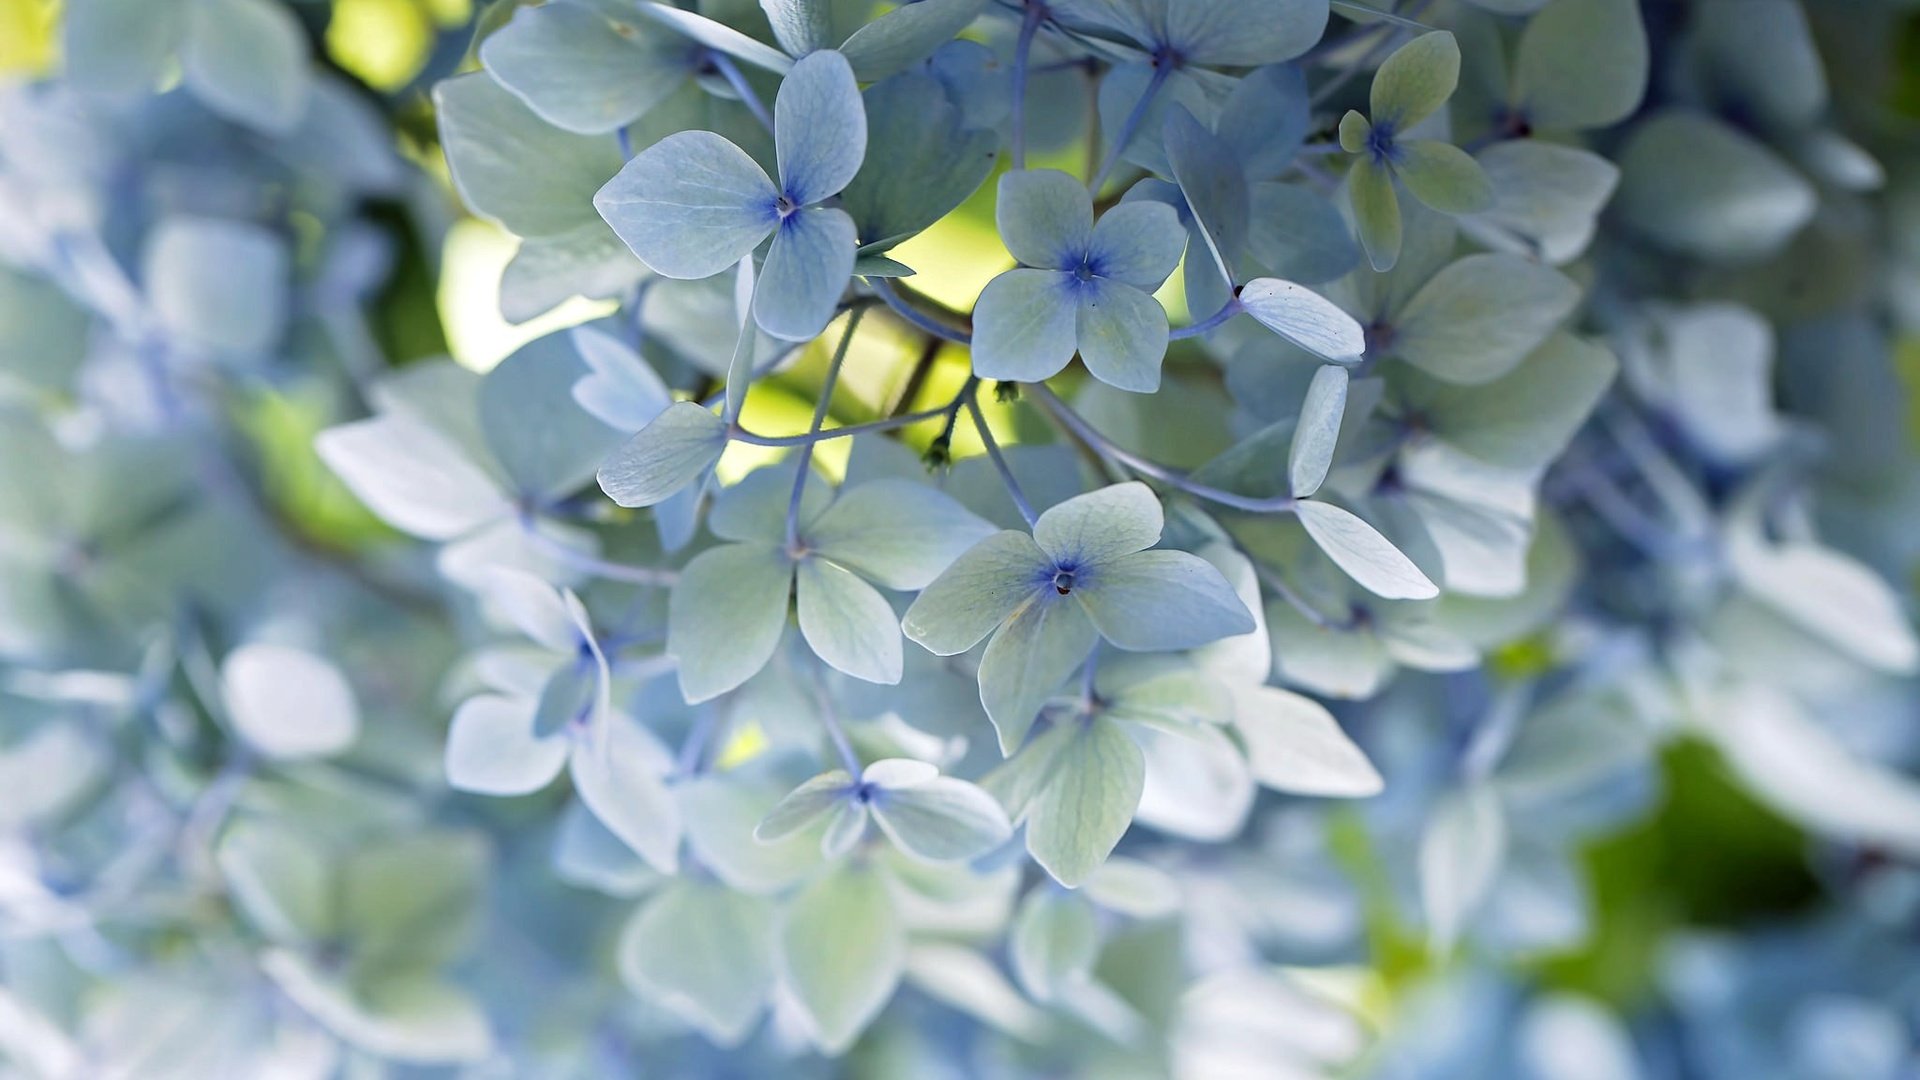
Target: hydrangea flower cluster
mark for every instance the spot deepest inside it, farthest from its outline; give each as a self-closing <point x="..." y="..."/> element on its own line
<point x="1196" y="538"/>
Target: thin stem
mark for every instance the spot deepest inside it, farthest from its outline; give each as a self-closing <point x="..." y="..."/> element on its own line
<point x="731" y="72"/>
<point x="612" y="571"/>
<point x="830" y="718"/>
<point x="1018" y="496"/>
<point x="1022" y="51"/>
<point x="885" y="423"/>
<point x="1227" y="311"/>
<point x="819" y="417"/>
<point x="1107" y="448"/>
<point x="919" y="319"/>
<point x="1161" y="70"/>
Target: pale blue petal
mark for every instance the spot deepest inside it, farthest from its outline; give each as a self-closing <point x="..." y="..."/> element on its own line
<point x="1122" y="334"/>
<point x="1215" y="187"/>
<point x="673" y="451"/>
<point x="580" y="71"/>
<point x="1116" y="520"/>
<point x="1243" y="33"/>
<point x="907" y="35"/>
<point x="1024" y="325"/>
<point x="690" y="205"/>
<point x="493" y="749"/>
<point x="717" y="35"/>
<point x="1137" y="243"/>
<point x="247" y="60"/>
<point x="1154" y="601"/>
<point x="725" y="617"/>
<point x="1045" y="218"/>
<point x="807" y="269"/>
<point x="820" y="128"/>
<point x="621" y="390"/>
<point x="1305" y="318"/>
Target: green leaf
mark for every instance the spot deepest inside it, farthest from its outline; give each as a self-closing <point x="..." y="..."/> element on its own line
<point x="1413" y="83"/>
<point x="705" y="953"/>
<point x="1479" y="317"/>
<point x="288" y="704"/>
<point x="676" y="450"/>
<point x="1363" y="553"/>
<point x="1318" y="431"/>
<point x="942" y="819"/>
<point x="842" y="949"/>
<point x="726" y="615"/>
<point x="1581" y="64"/>
<point x="1054" y="942"/>
<point x="1081" y="814"/>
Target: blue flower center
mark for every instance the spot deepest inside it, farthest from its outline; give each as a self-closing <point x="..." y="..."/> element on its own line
<point x="1380" y="142"/>
<point x="785" y="207"/>
<point x="1063" y="580"/>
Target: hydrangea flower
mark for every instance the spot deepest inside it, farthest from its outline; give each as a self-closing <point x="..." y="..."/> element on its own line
<point x="694" y="204"/>
<point x="1085" y="574"/>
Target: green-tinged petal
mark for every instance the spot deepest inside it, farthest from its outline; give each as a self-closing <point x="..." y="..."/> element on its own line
<point x="1481" y="316"/>
<point x="1363" y="553"/>
<point x="1161" y="600"/>
<point x="493" y="748"/>
<point x="1354" y="130"/>
<point x="1295" y="745"/>
<point x="1024" y="325"/>
<point x="1082" y="814"/>
<point x="618" y="772"/>
<point x="1318" y="431"/>
<point x="842" y="948"/>
<point x="1443" y="176"/>
<point x="803" y="806"/>
<point x="726" y="616"/>
<point x="1581" y="64"/>
<point x="1414" y="82"/>
<point x="676" y="450"/>
<point x="1305" y="318"/>
<point x="898" y="533"/>
<point x="977" y="593"/>
<point x="1122" y="334"/>
<point x="1116" y="520"/>
<point x="705" y="953"/>
<point x="1376" y="212"/>
<point x="847" y="622"/>
<point x="1045" y="218"/>
<point x="1054" y="941"/>
<point x="1028" y="660"/>
<point x="942" y="819"/>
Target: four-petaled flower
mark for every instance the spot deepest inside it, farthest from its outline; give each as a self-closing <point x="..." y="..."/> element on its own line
<point x="1081" y="286"/>
<point x="1412" y="85"/>
<point x="1086" y="573"/>
<point x="693" y="203"/>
